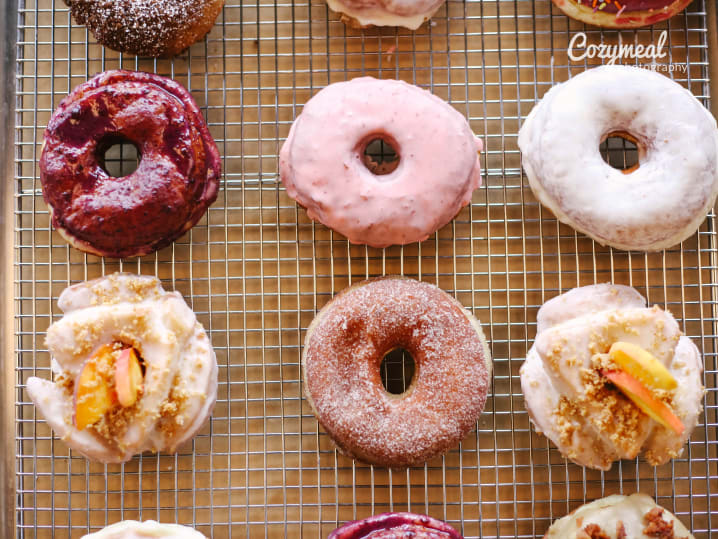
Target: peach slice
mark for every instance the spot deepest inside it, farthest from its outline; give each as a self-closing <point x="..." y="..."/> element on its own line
<point x="128" y="377"/>
<point x="93" y="395"/>
<point x="642" y="397"/>
<point x="642" y="365"/>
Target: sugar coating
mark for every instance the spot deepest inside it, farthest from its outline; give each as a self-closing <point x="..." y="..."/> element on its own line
<point x="146" y="27"/>
<point x="342" y="356"/>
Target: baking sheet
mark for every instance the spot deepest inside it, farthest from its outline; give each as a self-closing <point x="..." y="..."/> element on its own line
<point x="256" y="270"/>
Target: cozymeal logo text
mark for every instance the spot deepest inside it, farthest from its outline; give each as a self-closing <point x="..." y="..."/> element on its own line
<point x="579" y="49"/>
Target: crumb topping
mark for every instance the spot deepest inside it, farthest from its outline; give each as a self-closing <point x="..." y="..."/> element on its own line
<point x="657" y="527"/>
<point x="592" y="531"/>
<point x="171" y="419"/>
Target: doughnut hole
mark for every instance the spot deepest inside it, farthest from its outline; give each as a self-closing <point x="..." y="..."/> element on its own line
<point x="379" y="154"/>
<point x="621" y="151"/>
<point x="397" y="371"/>
<point x="118" y="156"/>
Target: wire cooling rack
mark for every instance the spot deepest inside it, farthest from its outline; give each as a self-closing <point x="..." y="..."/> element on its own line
<point x="256" y="270"/>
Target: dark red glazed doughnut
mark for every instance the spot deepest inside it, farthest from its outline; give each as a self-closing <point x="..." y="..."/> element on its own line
<point x="176" y="180"/>
<point x="396" y="526"/>
<point x="342" y="356"/>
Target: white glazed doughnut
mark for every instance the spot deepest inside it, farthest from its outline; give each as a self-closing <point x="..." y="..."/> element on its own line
<point x="407" y="13"/>
<point x="591" y="422"/>
<point x="654" y="207"/>
<point x="321" y="162"/>
<point x="132" y="529"/>
<point x="180" y="368"/>
<point x="619" y="517"/>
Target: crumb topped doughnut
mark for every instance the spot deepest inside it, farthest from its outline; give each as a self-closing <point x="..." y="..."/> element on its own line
<point x="132" y="529"/>
<point x="608" y="378"/>
<point x="364" y="13"/>
<point x="146" y="27"/>
<point x="175" y="182"/>
<point x="619" y="517"/>
<point x="396" y="526"/>
<point x="321" y="161"/>
<point x="653" y="207"/>
<point x="134" y="369"/>
<point x="343" y="351"/>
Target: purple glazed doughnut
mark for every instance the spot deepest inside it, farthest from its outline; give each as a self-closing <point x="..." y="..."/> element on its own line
<point x="396" y="526"/>
<point x="174" y="184"/>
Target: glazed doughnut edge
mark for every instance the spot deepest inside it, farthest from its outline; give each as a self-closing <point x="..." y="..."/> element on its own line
<point x="488" y="362"/>
<point x="628" y="19"/>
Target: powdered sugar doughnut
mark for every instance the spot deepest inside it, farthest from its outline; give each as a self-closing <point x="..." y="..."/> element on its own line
<point x="343" y="351"/>
<point x="321" y="162"/>
<point x="656" y="206"/>
<point x="147" y="27"/>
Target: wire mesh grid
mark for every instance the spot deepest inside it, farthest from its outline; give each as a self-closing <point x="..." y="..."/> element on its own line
<point x="256" y="270"/>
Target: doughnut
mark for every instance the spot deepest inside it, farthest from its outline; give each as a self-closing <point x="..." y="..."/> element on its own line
<point x="134" y="369"/>
<point x="570" y="385"/>
<point x="653" y="207"/>
<point x="174" y="184"/>
<point x="322" y="168"/>
<point x="621" y="13"/>
<point x="132" y="529"/>
<point x="365" y="13"/>
<point x="343" y="351"/>
<point x="396" y="526"/>
<point x="147" y="27"/>
<point x="619" y="517"/>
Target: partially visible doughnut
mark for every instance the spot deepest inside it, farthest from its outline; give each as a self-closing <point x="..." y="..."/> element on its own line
<point x="619" y="517"/>
<point x="396" y="526"/>
<point x="146" y="27"/>
<point x="132" y="529"/>
<point x="654" y="207"/>
<point x="343" y="351"/>
<point x="621" y="13"/>
<point x="321" y="163"/>
<point x="407" y="13"/>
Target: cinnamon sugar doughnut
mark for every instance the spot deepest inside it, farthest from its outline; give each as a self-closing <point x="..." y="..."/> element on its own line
<point x="343" y="351"/>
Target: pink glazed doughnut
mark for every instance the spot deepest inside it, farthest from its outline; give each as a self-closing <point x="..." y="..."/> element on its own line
<point x="322" y="168"/>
